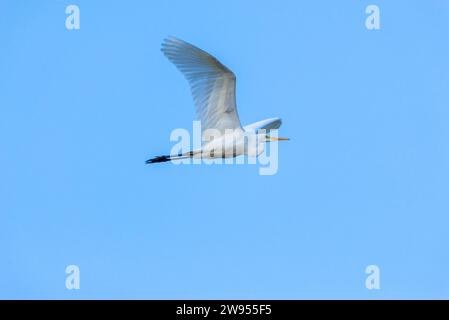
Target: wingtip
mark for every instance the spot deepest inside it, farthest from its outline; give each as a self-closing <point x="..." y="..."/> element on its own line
<point x="170" y="39"/>
<point x="169" y="42"/>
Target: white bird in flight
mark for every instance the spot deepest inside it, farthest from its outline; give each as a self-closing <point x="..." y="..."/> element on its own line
<point x="213" y="90"/>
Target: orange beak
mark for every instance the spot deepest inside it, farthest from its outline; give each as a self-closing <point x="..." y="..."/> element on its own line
<point x="279" y="139"/>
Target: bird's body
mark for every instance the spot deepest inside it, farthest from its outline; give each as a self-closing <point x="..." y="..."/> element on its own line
<point x="233" y="144"/>
<point x="213" y="89"/>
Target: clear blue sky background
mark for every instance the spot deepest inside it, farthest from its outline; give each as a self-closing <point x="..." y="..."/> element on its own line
<point x="364" y="179"/>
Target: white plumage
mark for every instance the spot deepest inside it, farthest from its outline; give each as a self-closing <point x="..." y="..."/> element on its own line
<point x="213" y="89"/>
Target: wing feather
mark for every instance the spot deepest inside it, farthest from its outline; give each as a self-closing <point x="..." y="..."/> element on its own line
<point x="212" y="84"/>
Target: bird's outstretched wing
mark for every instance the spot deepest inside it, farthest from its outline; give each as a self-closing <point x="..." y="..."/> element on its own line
<point x="267" y="124"/>
<point x="212" y="84"/>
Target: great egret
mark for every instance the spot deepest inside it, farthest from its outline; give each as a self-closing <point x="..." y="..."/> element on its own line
<point x="213" y="89"/>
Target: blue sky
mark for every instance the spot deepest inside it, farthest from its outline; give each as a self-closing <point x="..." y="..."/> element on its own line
<point x="364" y="179"/>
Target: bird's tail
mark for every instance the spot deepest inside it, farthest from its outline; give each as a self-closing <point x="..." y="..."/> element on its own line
<point x="169" y="158"/>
